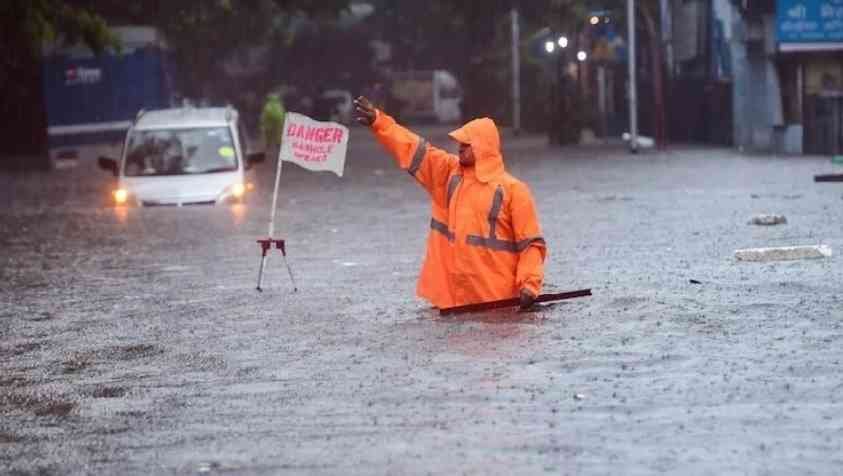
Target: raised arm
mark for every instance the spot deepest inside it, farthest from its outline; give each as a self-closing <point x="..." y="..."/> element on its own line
<point x="429" y="165"/>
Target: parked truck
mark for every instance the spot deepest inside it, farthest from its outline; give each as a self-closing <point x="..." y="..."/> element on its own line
<point x="427" y="95"/>
<point x="92" y="99"/>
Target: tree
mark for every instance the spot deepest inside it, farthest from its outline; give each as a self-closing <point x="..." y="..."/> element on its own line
<point x="472" y="39"/>
<point x="25" y="25"/>
<point x="200" y="32"/>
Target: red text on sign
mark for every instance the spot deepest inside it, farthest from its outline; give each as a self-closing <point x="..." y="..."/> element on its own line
<point x="330" y="135"/>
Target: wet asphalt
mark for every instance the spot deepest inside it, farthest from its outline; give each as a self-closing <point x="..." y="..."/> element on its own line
<point x="132" y="341"/>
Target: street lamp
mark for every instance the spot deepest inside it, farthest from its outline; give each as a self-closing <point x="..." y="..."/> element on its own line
<point x="556" y="46"/>
<point x="582" y="56"/>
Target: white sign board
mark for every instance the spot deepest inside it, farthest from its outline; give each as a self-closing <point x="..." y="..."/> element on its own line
<point x="314" y="145"/>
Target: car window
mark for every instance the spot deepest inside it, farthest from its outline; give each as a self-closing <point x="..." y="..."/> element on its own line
<point x="180" y="152"/>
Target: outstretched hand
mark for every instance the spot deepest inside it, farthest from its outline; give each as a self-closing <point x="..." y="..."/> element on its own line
<point x="364" y="111"/>
<point x="527" y="299"/>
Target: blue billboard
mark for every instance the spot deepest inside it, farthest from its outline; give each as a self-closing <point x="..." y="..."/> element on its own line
<point x="809" y="21"/>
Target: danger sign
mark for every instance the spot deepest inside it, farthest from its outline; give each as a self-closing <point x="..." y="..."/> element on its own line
<point x="314" y="145"/>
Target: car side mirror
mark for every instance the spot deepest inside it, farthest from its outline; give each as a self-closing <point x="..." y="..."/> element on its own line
<point x="109" y="164"/>
<point x="253" y="158"/>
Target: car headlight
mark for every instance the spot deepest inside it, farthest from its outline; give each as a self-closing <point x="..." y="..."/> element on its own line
<point x="123" y="197"/>
<point x="234" y="193"/>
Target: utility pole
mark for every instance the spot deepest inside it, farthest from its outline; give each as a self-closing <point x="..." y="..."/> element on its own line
<point x="667" y="34"/>
<point x="516" y="72"/>
<point x="633" y="88"/>
<point x="601" y="101"/>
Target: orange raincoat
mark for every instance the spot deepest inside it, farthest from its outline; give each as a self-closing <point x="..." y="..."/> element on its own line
<point x="485" y="241"/>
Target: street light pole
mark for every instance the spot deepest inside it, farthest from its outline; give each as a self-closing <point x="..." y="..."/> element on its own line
<point x="516" y="73"/>
<point x="557" y="101"/>
<point x="633" y="88"/>
<point x="557" y="46"/>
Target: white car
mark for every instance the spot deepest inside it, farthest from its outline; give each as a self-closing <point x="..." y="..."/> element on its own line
<point x="186" y="156"/>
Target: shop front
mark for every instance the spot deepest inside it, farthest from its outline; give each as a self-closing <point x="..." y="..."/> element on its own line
<point x="809" y="61"/>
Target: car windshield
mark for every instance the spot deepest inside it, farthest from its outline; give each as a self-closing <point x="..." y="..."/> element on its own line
<point x="180" y="152"/>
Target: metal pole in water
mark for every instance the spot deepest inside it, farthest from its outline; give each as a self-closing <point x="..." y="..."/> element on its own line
<point x="266" y="245"/>
<point x="275" y="192"/>
<point x="290" y="271"/>
<point x="260" y="273"/>
<point x="633" y="87"/>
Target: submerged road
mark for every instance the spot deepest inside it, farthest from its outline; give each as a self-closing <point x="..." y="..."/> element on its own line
<point x="133" y="341"/>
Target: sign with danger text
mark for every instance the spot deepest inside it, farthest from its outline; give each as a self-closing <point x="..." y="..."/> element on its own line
<point x="314" y="145"/>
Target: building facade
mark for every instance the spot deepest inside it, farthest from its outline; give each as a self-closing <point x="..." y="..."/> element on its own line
<point x="788" y="63"/>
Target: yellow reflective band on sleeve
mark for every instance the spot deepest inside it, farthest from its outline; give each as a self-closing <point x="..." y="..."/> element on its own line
<point x="421" y="150"/>
<point x="502" y="245"/>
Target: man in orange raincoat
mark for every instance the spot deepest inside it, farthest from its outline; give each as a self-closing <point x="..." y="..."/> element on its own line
<point x="485" y="241"/>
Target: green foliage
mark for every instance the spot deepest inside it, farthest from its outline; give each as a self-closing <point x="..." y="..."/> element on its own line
<point x="31" y="23"/>
<point x="272" y="120"/>
<point x="472" y="38"/>
<point x="25" y="26"/>
<point x="202" y="33"/>
<point x="221" y="27"/>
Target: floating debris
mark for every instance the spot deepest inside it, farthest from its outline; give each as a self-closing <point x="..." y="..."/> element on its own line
<point x="784" y="253"/>
<point x="768" y="220"/>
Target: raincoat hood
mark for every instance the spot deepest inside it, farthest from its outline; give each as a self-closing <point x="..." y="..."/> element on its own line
<point x="482" y="134"/>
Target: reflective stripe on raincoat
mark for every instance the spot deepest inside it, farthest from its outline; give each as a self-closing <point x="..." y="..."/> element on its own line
<point x="485" y="241"/>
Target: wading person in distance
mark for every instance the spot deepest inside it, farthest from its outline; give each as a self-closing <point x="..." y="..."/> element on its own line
<point x="485" y="241"/>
